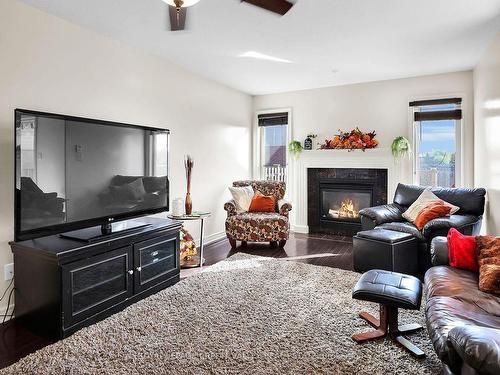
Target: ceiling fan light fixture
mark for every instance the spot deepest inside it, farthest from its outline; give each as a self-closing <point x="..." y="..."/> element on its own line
<point x="185" y="3"/>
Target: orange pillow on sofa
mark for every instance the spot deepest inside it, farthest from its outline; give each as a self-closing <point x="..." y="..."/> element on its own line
<point x="262" y="203"/>
<point x="432" y="211"/>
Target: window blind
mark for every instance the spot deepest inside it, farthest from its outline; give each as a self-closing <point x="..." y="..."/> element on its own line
<point x="273" y="119"/>
<point x="454" y="113"/>
<point x="421" y="103"/>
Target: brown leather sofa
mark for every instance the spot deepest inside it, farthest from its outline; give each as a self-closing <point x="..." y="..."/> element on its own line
<point x="463" y="322"/>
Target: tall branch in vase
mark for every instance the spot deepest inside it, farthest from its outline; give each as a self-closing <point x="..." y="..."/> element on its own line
<point x="188" y="165"/>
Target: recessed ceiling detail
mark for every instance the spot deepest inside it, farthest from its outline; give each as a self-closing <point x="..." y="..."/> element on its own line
<point x="364" y="40"/>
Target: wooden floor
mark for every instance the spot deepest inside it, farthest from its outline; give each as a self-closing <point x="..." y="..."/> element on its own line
<point x="320" y="250"/>
<point x="17" y="342"/>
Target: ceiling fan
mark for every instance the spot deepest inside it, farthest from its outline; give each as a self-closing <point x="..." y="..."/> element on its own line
<point x="178" y="9"/>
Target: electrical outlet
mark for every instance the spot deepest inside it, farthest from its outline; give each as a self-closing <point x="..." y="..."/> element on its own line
<point x="8" y="271"/>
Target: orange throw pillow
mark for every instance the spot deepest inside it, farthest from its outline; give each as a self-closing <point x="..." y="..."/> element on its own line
<point x="262" y="203"/>
<point x="432" y="211"/>
<point x="489" y="264"/>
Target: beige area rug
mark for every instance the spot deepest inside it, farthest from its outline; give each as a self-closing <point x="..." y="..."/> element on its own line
<point x="245" y="315"/>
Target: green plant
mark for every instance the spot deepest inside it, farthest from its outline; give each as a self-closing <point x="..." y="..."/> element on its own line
<point x="312" y="136"/>
<point x="400" y="147"/>
<point x="295" y="148"/>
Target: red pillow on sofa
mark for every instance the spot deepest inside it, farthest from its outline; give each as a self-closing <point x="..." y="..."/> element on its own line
<point x="262" y="203"/>
<point x="462" y="251"/>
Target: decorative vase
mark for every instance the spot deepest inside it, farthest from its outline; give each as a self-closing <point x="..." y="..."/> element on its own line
<point x="188" y="165"/>
<point x="188" y="204"/>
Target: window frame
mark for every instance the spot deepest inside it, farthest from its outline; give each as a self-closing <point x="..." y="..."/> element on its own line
<point x="460" y="125"/>
<point x="258" y="150"/>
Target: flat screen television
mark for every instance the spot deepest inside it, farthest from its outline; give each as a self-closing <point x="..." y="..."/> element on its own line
<point x="73" y="173"/>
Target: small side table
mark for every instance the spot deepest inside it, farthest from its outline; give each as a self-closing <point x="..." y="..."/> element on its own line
<point x="202" y="218"/>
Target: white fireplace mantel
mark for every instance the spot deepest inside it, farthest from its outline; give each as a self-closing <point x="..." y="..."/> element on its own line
<point x="380" y="158"/>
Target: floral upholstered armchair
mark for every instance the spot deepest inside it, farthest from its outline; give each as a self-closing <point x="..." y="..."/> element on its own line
<point x="273" y="227"/>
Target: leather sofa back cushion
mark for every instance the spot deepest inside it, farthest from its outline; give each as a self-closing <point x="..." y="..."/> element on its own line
<point x="462" y="251"/>
<point x="489" y="264"/>
<point x="432" y="211"/>
<point x="470" y="201"/>
<point x="262" y="203"/>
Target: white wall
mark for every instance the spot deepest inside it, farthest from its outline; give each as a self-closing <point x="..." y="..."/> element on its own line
<point x="380" y="106"/>
<point x="486" y="132"/>
<point x="48" y="64"/>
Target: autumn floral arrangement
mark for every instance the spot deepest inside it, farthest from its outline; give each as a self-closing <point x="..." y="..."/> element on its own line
<point x="353" y="140"/>
<point x="188" y="247"/>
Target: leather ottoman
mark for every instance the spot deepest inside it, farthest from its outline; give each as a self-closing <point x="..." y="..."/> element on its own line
<point x="386" y="250"/>
<point x="391" y="291"/>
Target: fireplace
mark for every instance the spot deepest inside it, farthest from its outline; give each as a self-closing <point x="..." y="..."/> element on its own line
<point x="336" y="195"/>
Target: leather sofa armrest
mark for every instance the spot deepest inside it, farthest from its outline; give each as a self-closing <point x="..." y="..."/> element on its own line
<point x="478" y="347"/>
<point x="380" y="214"/>
<point x="442" y="225"/>
<point x="284" y="207"/>
<point x="230" y="207"/>
<point x="439" y="251"/>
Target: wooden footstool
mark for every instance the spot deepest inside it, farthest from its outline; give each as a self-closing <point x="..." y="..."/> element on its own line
<point x="392" y="291"/>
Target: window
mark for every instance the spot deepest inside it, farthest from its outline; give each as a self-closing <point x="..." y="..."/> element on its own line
<point x="437" y="129"/>
<point x="273" y="134"/>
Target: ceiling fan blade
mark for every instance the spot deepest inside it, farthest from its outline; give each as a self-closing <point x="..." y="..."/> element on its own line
<point x="177" y="18"/>
<point x="276" y="6"/>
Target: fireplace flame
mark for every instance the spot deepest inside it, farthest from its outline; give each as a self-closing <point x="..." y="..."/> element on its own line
<point x="346" y="210"/>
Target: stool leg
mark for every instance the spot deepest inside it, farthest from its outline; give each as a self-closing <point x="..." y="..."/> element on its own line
<point x="396" y="332"/>
<point x="374" y="322"/>
<point x="380" y="325"/>
<point x="408" y="345"/>
<point x="409" y="328"/>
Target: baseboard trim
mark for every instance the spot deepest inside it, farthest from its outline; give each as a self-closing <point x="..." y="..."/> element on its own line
<point x="215" y="237"/>
<point x="300" y="229"/>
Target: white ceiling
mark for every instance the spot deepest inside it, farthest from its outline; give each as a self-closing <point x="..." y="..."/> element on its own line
<point x="363" y="40"/>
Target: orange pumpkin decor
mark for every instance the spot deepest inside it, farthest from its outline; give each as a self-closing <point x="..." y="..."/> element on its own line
<point x="353" y="140"/>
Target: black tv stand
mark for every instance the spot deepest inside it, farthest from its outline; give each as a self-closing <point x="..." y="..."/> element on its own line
<point x="63" y="284"/>
<point x="106" y="231"/>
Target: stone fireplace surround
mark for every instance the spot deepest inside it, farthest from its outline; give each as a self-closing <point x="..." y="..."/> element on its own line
<point x="378" y="158"/>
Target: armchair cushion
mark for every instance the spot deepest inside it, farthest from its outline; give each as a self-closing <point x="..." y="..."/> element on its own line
<point x="262" y="203"/>
<point x="383" y="214"/>
<point x="242" y="197"/>
<point x="257" y="226"/>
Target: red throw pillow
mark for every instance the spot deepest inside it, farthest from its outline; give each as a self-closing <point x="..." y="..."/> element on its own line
<point x="262" y="203"/>
<point x="462" y="251"/>
<point x="432" y="211"/>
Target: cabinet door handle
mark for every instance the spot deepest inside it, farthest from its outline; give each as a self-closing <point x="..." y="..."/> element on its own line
<point x="130" y="272"/>
<point x="139" y="269"/>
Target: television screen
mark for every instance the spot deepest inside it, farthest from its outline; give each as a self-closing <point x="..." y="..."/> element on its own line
<point x="73" y="172"/>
